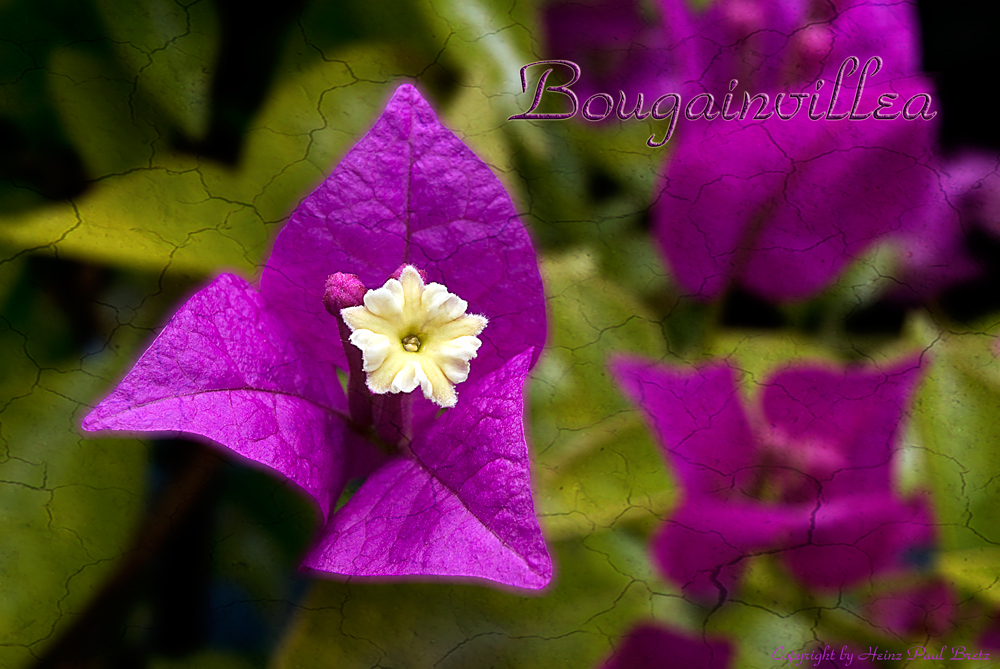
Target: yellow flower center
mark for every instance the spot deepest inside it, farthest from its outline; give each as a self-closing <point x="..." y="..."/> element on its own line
<point x="411" y="334"/>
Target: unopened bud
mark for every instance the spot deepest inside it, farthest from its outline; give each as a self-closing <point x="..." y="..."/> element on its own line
<point x="342" y="291"/>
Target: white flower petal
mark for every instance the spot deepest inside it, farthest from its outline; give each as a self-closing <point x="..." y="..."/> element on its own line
<point x="453" y="357"/>
<point x="425" y="383"/>
<point x="439" y="303"/>
<point x="434" y="296"/>
<point x="409" y="377"/>
<point x="455" y="369"/>
<point x="359" y="318"/>
<point x="455" y="307"/>
<point x="386" y="301"/>
<point x="374" y="348"/>
<point x="464" y="347"/>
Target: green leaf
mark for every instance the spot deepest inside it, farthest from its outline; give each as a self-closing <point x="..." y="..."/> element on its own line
<point x="602" y="587"/>
<point x="169" y="51"/>
<point x="69" y="505"/>
<point x="956" y="413"/>
<point x="975" y="571"/>
<point x="122" y="105"/>
<point x="179" y="213"/>
<point x="487" y="41"/>
<point x="101" y="114"/>
<point x="758" y="355"/>
<point x="596" y="462"/>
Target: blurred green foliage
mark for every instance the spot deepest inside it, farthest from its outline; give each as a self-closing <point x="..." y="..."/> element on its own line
<point x="69" y="506"/>
<point x="603" y="585"/>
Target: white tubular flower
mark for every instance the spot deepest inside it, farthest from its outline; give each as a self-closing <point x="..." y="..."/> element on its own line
<point x="411" y="334"/>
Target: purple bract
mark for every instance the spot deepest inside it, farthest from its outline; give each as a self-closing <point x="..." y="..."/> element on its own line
<point x="444" y="493"/>
<point x="936" y="249"/>
<point x="778" y="207"/>
<point x="650" y="646"/>
<point x="767" y="45"/>
<point x="618" y="46"/>
<point x="808" y="475"/>
<point x="781" y="207"/>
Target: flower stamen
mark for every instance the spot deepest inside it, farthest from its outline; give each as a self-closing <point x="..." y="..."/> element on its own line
<point x="411" y="343"/>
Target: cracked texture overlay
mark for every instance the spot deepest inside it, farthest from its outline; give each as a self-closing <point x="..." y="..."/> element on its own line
<point x="730" y="401"/>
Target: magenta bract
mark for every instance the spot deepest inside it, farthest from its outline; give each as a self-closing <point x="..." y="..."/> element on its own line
<point x="781" y="207"/>
<point x="808" y="475"/>
<point x="936" y="251"/>
<point x="767" y="45"/>
<point x="650" y="646"/>
<point x="618" y="46"/>
<point x="776" y="206"/>
<point x="258" y="371"/>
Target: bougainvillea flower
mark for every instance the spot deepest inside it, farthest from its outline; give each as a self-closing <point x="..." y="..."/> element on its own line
<point x="619" y="47"/>
<point x="860" y="28"/>
<point x="413" y="334"/>
<point x="807" y="475"/>
<point x="752" y="41"/>
<point x="766" y="45"/>
<point x="776" y="207"/>
<point x="781" y="207"/>
<point x="650" y="646"/>
<point x="444" y="492"/>
<point x="770" y="46"/>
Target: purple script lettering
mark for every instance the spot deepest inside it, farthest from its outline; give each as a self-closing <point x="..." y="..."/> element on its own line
<point x="563" y="88"/>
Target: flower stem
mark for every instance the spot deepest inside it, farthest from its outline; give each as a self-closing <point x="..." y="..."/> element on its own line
<point x="393" y="415"/>
<point x="359" y="398"/>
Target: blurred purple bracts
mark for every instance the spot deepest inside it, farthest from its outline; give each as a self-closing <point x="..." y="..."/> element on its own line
<point x="650" y="646"/>
<point x="808" y="477"/>
<point x="781" y="207"/>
